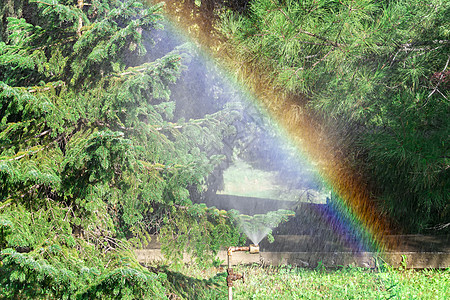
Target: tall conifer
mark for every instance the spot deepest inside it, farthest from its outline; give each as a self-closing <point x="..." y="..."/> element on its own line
<point x="91" y="161"/>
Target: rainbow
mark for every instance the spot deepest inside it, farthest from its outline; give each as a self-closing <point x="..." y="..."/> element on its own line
<point x="354" y="215"/>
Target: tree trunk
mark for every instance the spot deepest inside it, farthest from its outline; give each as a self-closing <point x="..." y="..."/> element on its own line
<point x="15" y="9"/>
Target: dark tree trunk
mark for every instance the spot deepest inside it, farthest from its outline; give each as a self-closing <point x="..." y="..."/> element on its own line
<point x="14" y="9"/>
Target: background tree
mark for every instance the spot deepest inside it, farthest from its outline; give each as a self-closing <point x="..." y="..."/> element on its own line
<point x="377" y="74"/>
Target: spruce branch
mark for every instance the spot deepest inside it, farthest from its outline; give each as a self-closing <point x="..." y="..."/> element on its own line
<point x="27" y="153"/>
<point x="37" y="89"/>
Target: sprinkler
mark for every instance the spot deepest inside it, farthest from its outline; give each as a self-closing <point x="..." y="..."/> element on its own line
<point x="253" y="249"/>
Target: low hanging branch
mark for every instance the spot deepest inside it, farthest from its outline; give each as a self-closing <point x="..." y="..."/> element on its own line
<point x="37" y="89"/>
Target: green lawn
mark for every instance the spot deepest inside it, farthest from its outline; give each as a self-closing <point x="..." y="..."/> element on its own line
<point x="346" y="283"/>
<point x="241" y="179"/>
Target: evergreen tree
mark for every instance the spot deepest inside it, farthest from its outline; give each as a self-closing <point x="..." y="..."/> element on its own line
<point x="378" y="74"/>
<point x="91" y="160"/>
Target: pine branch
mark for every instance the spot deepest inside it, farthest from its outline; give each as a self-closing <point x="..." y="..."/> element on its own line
<point x="440" y="226"/>
<point x="6" y="204"/>
<point x="332" y="43"/>
<point x="320" y="60"/>
<point x="440" y="80"/>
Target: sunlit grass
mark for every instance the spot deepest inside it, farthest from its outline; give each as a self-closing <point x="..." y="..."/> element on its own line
<point x="344" y="283"/>
<point x="241" y="179"/>
<point x="347" y="283"/>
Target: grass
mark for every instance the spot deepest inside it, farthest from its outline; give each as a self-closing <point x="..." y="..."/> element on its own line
<point x="241" y="179"/>
<point x="345" y="283"/>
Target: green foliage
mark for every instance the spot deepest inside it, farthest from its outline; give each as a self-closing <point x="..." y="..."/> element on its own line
<point x="29" y="278"/>
<point x="126" y="283"/>
<point x="200" y="231"/>
<point x="411" y="156"/>
<point x="188" y="287"/>
<point x="375" y="71"/>
<point x="91" y="161"/>
<point x="55" y="272"/>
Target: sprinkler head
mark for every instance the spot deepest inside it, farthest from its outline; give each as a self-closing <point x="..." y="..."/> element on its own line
<point x="254" y="249"/>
